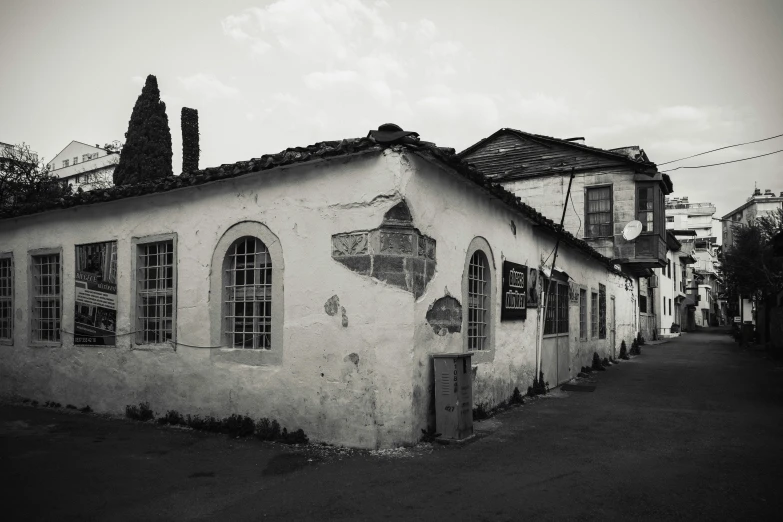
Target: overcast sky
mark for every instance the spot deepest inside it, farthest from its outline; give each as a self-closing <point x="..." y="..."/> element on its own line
<point x="676" y="78"/>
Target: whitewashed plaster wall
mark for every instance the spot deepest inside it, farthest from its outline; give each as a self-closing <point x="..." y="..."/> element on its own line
<point x="342" y="384"/>
<point x="453" y="211"/>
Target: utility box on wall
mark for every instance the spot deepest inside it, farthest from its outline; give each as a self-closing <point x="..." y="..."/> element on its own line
<point x="453" y="395"/>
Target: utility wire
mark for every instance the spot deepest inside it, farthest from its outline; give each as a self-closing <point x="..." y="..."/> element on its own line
<point x="722" y="163"/>
<point x="726" y="147"/>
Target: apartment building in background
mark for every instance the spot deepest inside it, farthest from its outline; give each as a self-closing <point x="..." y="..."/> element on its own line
<point x="85" y="166"/>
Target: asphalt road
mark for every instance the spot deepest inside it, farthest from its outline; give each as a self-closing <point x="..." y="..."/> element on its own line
<point x="691" y="429"/>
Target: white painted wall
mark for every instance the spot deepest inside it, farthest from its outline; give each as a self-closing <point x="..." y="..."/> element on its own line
<point x="441" y="203"/>
<point x="318" y="386"/>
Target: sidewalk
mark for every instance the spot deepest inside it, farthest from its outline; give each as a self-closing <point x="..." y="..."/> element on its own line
<point x="689" y="429"/>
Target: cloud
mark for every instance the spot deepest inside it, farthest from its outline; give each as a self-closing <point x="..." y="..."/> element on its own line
<point x="320" y="80"/>
<point x="207" y="86"/>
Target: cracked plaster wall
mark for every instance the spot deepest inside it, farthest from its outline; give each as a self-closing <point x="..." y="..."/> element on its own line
<point x="344" y="378"/>
<point x="453" y="212"/>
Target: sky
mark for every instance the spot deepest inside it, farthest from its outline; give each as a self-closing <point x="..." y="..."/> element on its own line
<point x="674" y="77"/>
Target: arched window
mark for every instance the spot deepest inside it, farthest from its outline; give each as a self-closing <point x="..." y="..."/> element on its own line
<point x="478" y="301"/>
<point x="248" y="295"/>
<point x="478" y="296"/>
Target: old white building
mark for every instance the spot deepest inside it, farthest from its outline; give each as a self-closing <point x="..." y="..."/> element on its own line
<point x="311" y="286"/>
<point x="85" y="166"/>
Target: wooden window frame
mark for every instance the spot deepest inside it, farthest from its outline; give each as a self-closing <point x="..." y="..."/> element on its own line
<point x="583" y="314"/>
<point x="593" y="314"/>
<point x="601" y="311"/>
<point x="587" y="213"/>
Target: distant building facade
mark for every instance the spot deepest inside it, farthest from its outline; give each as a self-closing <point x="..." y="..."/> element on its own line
<point x="757" y="205"/>
<point x="84" y="166"/>
<point x="610" y="189"/>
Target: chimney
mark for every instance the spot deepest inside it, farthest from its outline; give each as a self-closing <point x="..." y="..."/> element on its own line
<point x="757" y="192"/>
<point x="190" y="150"/>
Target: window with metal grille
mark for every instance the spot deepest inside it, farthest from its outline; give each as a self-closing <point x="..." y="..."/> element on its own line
<point x="478" y="301"/>
<point x="594" y="314"/>
<point x="46" y="298"/>
<point x="598" y="211"/>
<point x="556" y="318"/>
<point x="155" y="292"/>
<point x="6" y="298"/>
<point x="601" y="311"/>
<point x="248" y="295"/>
<point x="583" y="314"/>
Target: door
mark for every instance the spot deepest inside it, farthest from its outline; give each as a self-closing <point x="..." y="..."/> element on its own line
<point x="611" y="328"/>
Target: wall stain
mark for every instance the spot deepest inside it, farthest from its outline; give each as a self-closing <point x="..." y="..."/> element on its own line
<point x="345" y="317"/>
<point x="445" y="315"/>
<point x="332" y="305"/>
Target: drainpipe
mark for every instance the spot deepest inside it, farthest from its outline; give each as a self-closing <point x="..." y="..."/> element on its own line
<point x="542" y="311"/>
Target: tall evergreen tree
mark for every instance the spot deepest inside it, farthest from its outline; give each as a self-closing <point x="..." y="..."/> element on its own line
<point x="190" y="150"/>
<point x="147" y="151"/>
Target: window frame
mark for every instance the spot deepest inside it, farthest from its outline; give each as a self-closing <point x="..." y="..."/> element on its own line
<point x="594" y="314"/>
<point x="32" y="297"/>
<point x="222" y="352"/>
<point x="658" y="207"/>
<point x="602" y="311"/>
<point x="9" y="341"/>
<point x="136" y="244"/>
<point x="587" y="213"/>
<point x="488" y="353"/>
<point x="557" y="312"/>
<point x="583" y="314"/>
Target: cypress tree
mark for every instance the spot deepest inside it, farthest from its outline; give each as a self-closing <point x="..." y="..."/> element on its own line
<point x="190" y="150"/>
<point x="147" y="151"/>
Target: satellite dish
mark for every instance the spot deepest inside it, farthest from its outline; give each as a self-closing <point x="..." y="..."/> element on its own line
<point x="632" y="230"/>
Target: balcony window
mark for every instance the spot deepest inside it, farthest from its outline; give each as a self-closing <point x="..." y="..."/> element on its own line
<point x="598" y="211"/>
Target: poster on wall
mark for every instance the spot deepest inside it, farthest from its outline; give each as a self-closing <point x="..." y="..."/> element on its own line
<point x="514" y="304"/>
<point x="573" y="293"/>
<point x="95" y="313"/>
<point x="532" y="288"/>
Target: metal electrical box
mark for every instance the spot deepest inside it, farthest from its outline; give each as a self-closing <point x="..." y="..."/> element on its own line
<point x="453" y="395"/>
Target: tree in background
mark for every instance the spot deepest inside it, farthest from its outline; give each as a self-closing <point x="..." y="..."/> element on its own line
<point x="25" y="179"/>
<point x="749" y="266"/>
<point x="190" y="150"/>
<point x="146" y="154"/>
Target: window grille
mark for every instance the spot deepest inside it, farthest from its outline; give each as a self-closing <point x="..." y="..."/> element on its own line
<point x="645" y="211"/>
<point x="46" y="298"/>
<point x="6" y="299"/>
<point x="599" y="212"/>
<point x="583" y="314"/>
<point x="155" y="292"/>
<point x="562" y="308"/>
<point x="602" y="311"/>
<point x="478" y="298"/>
<point x="594" y="314"/>
<point x="556" y="319"/>
<point x="248" y="295"/>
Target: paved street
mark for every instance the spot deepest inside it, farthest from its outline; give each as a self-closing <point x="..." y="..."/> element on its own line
<point x="691" y="429"/>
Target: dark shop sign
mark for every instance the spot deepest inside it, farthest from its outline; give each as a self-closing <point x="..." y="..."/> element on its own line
<point x="514" y="304"/>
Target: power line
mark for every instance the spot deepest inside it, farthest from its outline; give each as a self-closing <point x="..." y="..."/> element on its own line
<point x="722" y="163"/>
<point x="714" y="150"/>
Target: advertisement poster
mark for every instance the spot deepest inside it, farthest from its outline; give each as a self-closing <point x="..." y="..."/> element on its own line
<point x="532" y="288"/>
<point x="514" y="304"/>
<point x="95" y="314"/>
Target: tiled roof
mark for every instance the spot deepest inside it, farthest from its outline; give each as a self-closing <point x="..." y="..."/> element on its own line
<point x="317" y="151"/>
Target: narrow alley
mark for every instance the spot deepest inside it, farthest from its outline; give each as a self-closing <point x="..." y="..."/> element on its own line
<point x="690" y="429"/>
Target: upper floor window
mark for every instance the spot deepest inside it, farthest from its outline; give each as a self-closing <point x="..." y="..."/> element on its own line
<point x="248" y="298"/>
<point x="46" y="298"/>
<point x="598" y="211"/>
<point x="65" y="163"/>
<point x="650" y="208"/>
<point x="75" y="160"/>
<point x="646" y="209"/>
<point x="6" y="297"/>
<point x="670" y="219"/>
